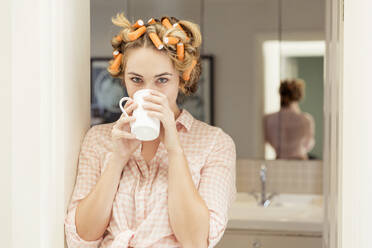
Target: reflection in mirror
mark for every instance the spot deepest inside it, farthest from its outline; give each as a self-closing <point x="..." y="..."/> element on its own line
<point x="289" y="131"/>
<point x="293" y="120"/>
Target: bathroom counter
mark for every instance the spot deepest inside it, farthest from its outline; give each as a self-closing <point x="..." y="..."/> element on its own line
<point x="287" y="213"/>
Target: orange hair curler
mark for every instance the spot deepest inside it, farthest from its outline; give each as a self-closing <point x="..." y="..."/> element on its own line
<point x="171" y="40"/>
<point x="138" y="24"/>
<point x="151" y="21"/>
<point x="155" y="39"/>
<point x="115" y="53"/>
<point x="186" y="74"/>
<point x="136" y="34"/>
<point x="180" y="51"/>
<point x="116" y="64"/>
<point x="166" y="23"/>
<point x="177" y="25"/>
<point x="118" y="38"/>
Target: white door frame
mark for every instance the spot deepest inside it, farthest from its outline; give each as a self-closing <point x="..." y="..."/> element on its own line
<point x="348" y="125"/>
<point x="47" y="70"/>
<point x="332" y="119"/>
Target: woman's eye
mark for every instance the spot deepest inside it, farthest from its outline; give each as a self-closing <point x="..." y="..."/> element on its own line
<point x="135" y="79"/>
<point x="163" y="80"/>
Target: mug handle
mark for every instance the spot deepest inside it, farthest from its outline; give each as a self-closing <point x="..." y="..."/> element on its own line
<point x="121" y="106"/>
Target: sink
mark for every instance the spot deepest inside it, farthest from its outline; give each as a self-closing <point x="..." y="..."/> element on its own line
<point x="286" y="212"/>
<point x="282" y="200"/>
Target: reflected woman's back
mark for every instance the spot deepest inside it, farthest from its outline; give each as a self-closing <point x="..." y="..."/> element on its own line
<point x="290" y="133"/>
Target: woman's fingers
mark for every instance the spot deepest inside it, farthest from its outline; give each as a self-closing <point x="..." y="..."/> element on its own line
<point x="154" y="98"/>
<point x="124" y="120"/>
<point x="152" y="106"/>
<point x="116" y="133"/>
<point x="129" y="109"/>
<point x="128" y="103"/>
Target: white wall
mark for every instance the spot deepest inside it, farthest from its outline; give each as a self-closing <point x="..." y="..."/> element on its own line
<point x="26" y="132"/>
<point x="45" y="105"/>
<point x="356" y="127"/>
<point x="102" y="28"/>
<point x="5" y="126"/>
<point x="230" y="32"/>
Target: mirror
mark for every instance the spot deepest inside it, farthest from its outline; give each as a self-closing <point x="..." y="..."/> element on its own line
<point x="293" y="84"/>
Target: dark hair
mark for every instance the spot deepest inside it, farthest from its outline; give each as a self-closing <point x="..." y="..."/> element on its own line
<point x="291" y="90"/>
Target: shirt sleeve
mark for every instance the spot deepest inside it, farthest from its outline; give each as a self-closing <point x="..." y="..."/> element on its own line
<point x="87" y="177"/>
<point x="217" y="185"/>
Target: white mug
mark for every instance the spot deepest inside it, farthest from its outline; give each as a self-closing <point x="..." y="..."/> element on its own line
<point x="145" y="128"/>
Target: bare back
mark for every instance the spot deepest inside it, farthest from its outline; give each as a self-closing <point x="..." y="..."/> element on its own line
<point x="290" y="133"/>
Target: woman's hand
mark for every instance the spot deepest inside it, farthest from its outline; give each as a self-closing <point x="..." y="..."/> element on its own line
<point x="125" y="143"/>
<point x="156" y="104"/>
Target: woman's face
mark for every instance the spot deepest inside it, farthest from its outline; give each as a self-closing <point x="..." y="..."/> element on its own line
<point x="147" y="68"/>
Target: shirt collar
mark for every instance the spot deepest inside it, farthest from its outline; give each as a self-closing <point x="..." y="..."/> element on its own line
<point x="185" y="119"/>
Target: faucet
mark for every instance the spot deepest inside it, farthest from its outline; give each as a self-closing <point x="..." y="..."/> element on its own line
<point x="264" y="200"/>
<point x="263" y="183"/>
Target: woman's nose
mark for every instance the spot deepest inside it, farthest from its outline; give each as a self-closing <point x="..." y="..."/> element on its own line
<point x="151" y="88"/>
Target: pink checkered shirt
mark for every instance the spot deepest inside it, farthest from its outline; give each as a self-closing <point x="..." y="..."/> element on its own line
<point x="140" y="212"/>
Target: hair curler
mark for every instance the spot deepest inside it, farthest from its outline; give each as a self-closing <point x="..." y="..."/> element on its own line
<point x="180" y="51"/>
<point x="177" y="25"/>
<point x="166" y="23"/>
<point x="151" y="21"/>
<point x="155" y="39"/>
<point x="115" y="53"/>
<point x="138" y="24"/>
<point x="137" y="33"/>
<point x="171" y="40"/>
<point x="118" y="38"/>
<point x="116" y="64"/>
<point x="186" y="74"/>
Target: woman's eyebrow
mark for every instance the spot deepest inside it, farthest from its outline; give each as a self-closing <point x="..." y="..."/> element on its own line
<point x="161" y="74"/>
<point x="135" y="74"/>
<point x="164" y="73"/>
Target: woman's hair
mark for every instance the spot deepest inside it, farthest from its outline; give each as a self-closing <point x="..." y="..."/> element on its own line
<point x="291" y="90"/>
<point x="190" y="36"/>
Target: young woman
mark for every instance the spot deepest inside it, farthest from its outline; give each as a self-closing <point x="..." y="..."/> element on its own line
<point x="174" y="191"/>
<point x="290" y="131"/>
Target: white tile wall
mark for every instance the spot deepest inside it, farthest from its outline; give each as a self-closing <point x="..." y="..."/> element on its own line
<point x="283" y="176"/>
